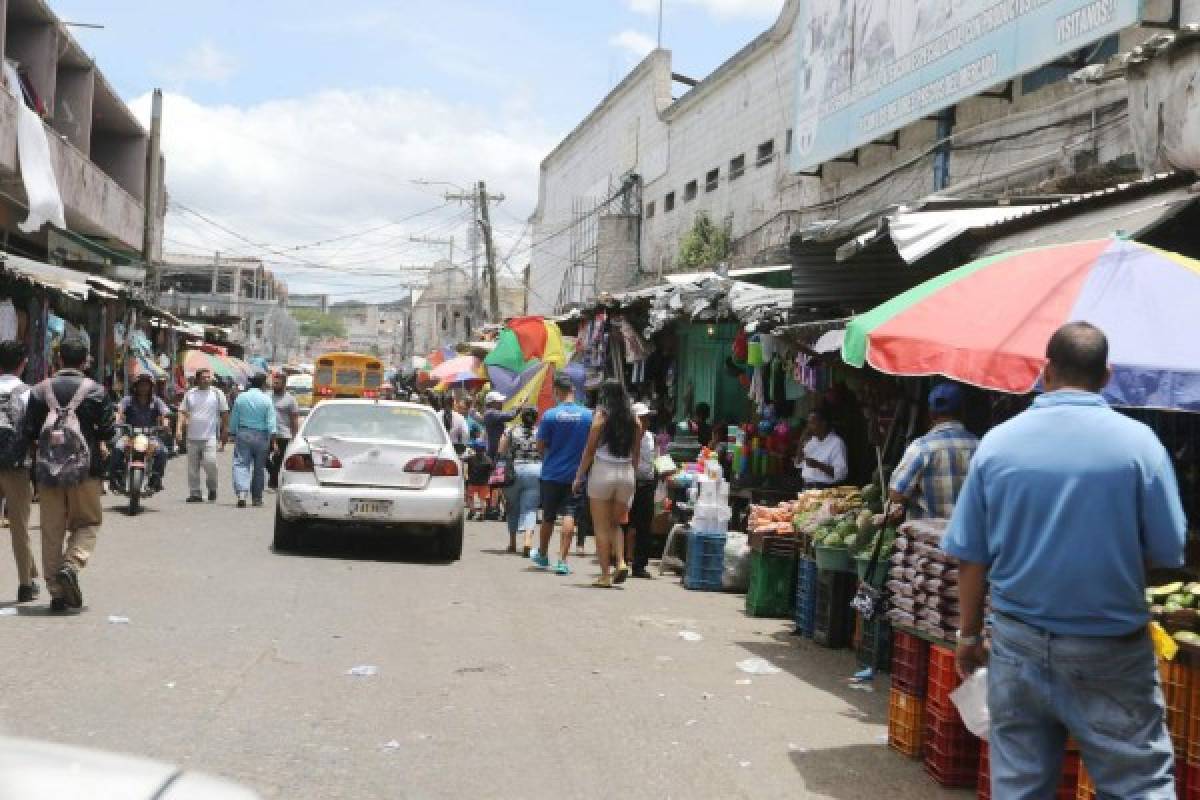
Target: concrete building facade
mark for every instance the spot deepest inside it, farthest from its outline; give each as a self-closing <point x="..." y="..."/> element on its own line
<point x="620" y="192"/>
<point x="98" y="148"/>
<point x="377" y="327"/>
<point x="223" y="291"/>
<point x="440" y="314"/>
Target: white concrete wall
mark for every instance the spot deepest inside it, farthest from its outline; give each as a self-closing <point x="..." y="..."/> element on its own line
<point x="749" y="100"/>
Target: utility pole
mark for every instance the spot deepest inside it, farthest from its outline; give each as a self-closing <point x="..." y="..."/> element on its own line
<point x="485" y="223"/>
<point x="480" y="202"/>
<point x="525" y="296"/>
<point x="151" y="198"/>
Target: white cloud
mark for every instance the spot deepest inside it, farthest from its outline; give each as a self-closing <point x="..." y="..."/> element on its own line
<point x="633" y="42"/>
<point x="204" y="63"/>
<point x="723" y="9"/>
<point x="294" y="171"/>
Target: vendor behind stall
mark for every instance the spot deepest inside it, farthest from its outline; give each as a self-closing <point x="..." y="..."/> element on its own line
<point x="929" y="477"/>
<point x="821" y="456"/>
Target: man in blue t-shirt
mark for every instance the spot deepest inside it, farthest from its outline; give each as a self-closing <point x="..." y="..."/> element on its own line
<point x="562" y="436"/>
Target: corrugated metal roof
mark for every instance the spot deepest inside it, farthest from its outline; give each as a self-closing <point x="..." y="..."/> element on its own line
<point x="61" y="279"/>
<point x="822" y="285"/>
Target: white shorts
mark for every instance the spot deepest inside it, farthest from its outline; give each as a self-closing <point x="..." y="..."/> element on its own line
<point x="611" y="480"/>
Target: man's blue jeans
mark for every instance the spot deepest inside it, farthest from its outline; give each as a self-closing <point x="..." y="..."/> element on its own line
<point x="1104" y="691"/>
<point x="250" y="462"/>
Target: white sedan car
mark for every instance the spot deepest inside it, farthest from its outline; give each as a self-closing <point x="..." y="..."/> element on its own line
<point x="374" y="463"/>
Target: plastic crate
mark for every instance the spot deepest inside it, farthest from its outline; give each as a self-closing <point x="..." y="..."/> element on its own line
<point x="1085" y="790"/>
<point x="942" y="678"/>
<point x="772" y="589"/>
<point x="705" y="561"/>
<point x="951" y="751"/>
<point x="906" y="723"/>
<point x="833" y="623"/>
<point x="1177" y="686"/>
<point x="910" y="663"/>
<point x="806" y="597"/>
<point x="874" y="647"/>
<point x="1067" y="786"/>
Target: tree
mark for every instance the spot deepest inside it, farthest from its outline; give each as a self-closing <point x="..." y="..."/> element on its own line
<point x="705" y="245"/>
<point x="318" y="325"/>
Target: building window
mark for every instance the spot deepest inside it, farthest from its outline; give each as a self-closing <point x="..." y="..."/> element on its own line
<point x="766" y="153"/>
<point x="787" y="147"/>
<point x="737" y="166"/>
<point x="669" y="202"/>
<point x="650" y="209"/>
<point x="690" y="191"/>
<point x="711" y="180"/>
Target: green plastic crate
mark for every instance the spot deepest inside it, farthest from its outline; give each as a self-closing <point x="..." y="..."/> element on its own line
<point x="772" y="590"/>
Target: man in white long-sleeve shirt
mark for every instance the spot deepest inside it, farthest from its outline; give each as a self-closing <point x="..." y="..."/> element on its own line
<point x="821" y="457"/>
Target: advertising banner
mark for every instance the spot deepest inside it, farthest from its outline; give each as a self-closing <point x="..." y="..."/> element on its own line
<point x="869" y="67"/>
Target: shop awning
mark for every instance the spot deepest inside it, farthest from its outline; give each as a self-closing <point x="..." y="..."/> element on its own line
<point x="61" y="279"/>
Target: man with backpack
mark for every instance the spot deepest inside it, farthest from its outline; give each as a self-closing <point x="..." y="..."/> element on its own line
<point x="70" y="418"/>
<point x="14" y="465"/>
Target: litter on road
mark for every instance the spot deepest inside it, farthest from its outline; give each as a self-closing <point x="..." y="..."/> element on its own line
<point x="690" y="636"/>
<point x="758" y="666"/>
<point x="364" y="671"/>
<point x="118" y="620"/>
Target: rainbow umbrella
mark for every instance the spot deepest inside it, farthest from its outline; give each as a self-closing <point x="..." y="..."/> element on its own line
<point x="198" y="359"/>
<point x="459" y="371"/>
<point x="987" y="323"/>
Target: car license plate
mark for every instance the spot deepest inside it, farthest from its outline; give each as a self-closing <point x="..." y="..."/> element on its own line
<point x="370" y="508"/>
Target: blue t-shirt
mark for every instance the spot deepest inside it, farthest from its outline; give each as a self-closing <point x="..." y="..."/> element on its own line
<point x="1065" y="503"/>
<point x="564" y="429"/>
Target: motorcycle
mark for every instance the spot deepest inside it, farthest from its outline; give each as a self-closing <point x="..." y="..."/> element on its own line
<point x="138" y="447"/>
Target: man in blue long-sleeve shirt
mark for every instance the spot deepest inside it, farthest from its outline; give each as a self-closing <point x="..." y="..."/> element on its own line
<point x="1063" y="509"/>
<point x="252" y="424"/>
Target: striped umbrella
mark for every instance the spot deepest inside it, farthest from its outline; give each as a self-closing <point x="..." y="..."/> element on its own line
<point x="987" y="323"/>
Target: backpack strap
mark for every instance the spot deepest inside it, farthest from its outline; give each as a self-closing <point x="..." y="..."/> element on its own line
<point x="77" y="399"/>
<point x="48" y="396"/>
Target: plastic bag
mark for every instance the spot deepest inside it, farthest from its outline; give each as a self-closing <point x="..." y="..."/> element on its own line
<point x="971" y="699"/>
<point x="735" y="576"/>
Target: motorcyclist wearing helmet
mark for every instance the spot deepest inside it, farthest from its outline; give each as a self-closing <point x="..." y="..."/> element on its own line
<point x="142" y="409"/>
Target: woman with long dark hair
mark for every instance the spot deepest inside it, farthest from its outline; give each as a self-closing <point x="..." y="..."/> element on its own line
<point x="608" y="464"/>
<point x="519" y="447"/>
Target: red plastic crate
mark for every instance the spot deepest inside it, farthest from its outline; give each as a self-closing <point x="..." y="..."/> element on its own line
<point x="1179" y="685"/>
<point x="942" y="679"/>
<point x="910" y="663"/>
<point x="951" y="751"/>
<point x="1067" y="787"/>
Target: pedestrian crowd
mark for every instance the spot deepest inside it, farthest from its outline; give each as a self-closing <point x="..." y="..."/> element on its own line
<point x="63" y="438"/>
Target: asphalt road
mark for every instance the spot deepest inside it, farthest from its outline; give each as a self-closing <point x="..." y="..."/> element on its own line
<point x="493" y="680"/>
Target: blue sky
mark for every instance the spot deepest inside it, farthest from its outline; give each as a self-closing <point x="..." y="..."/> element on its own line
<point x="289" y="122"/>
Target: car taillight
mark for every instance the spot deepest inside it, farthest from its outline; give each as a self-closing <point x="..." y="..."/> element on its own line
<point x="435" y="467"/>
<point x="325" y="459"/>
<point x="370" y="395"/>
<point x="298" y="462"/>
<point x="325" y="391"/>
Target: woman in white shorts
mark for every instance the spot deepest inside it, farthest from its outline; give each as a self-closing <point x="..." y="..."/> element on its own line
<point x="608" y="465"/>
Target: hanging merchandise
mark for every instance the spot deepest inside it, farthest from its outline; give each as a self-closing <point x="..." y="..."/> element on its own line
<point x="37" y="168"/>
<point x="754" y="352"/>
<point x="740" y="348"/>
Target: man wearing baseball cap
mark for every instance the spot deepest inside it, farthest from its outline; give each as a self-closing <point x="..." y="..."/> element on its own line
<point x="641" y="513"/>
<point x="494" y="421"/>
<point x="929" y="477"/>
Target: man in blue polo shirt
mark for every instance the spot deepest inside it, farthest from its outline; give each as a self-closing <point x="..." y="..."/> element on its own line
<point x="562" y="437"/>
<point x="1063" y="508"/>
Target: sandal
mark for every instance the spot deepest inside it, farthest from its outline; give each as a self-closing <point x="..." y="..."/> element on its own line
<point x="621" y="574"/>
<point x="525" y="551"/>
<point x="602" y="582"/>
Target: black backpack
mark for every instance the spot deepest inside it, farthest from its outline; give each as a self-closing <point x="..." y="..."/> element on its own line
<point x="14" y="448"/>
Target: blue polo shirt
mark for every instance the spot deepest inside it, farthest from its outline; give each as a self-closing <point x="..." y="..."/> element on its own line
<point x="1066" y="503"/>
<point x="564" y="429"/>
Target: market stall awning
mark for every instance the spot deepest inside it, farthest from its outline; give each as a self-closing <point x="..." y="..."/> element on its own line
<point x="987" y="323"/>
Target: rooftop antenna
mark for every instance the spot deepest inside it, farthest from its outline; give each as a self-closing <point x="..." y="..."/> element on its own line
<point x="660" y="16"/>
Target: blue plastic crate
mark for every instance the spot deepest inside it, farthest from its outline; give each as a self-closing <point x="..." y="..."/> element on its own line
<point x="705" y="561"/>
<point x="806" y="597"/>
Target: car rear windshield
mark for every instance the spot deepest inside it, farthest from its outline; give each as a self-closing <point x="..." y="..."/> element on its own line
<point x="376" y="421"/>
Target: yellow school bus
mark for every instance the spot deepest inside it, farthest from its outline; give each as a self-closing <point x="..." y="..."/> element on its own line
<point x="347" y="375"/>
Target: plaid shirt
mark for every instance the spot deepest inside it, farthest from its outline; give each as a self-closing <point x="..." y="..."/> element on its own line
<point x="933" y="470"/>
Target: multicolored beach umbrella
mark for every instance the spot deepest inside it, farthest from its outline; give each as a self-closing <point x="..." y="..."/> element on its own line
<point x="987" y="323"/>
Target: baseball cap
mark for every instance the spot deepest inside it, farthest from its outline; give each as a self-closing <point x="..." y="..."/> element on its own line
<point x="945" y="397"/>
<point x="563" y="381"/>
<point x="493" y="397"/>
<point x="641" y="410"/>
